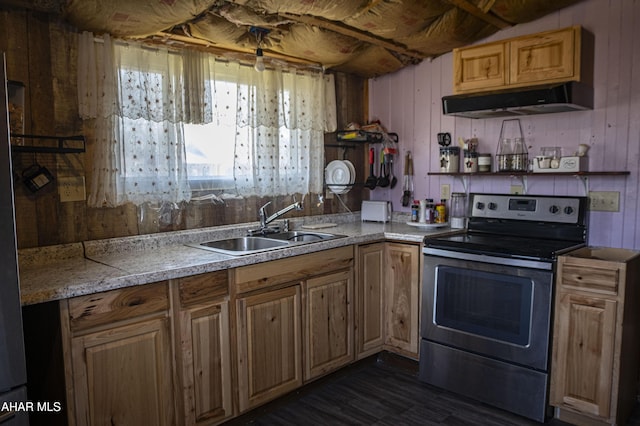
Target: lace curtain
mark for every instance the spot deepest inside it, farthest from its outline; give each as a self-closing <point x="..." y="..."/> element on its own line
<point x="281" y="117"/>
<point x="138" y="99"/>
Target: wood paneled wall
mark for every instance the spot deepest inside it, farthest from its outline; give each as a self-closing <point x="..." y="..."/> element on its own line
<point x="41" y="52"/>
<point x="410" y="103"/>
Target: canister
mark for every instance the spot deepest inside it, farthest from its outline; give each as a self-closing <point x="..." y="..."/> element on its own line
<point x="470" y="161"/>
<point x="484" y="162"/>
<point x="449" y="159"/>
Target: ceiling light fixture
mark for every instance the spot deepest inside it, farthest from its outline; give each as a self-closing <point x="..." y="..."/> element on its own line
<point x="259" y="33"/>
<point x="259" y="66"/>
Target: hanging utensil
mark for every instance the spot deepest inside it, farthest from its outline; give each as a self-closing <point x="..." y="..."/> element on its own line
<point x="410" y="176"/>
<point x="406" y="191"/>
<point x="394" y="180"/>
<point x="383" y="179"/>
<point x="371" y="180"/>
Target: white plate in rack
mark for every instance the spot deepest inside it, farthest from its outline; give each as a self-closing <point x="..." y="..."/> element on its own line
<point x="339" y="176"/>
<point x="352" y="171"/>
<point x="428" y="225"/>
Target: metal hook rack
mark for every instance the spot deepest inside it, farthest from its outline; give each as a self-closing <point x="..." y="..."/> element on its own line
<point x="62" y="147"/>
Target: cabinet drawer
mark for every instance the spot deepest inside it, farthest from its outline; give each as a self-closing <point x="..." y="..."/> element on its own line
<point x="590" y="278"/>
<point x="117" y="305"/>
<point x="203" y="287"/>
<point x="281" y="271"/>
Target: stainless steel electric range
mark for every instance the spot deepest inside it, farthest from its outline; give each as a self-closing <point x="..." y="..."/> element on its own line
<point x="487" y="299"/>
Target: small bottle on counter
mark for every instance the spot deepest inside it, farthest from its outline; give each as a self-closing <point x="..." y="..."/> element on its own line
<point x="415" y="209"/>
<point x="430" y="214"/>
<point x="422" y="213"/>
<point x="441" y="211"/>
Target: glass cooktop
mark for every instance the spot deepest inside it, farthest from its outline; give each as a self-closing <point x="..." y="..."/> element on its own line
<point x="503" y="245"/>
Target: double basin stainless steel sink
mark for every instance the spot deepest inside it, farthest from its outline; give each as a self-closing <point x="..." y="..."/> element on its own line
<point x="254" y="244"/>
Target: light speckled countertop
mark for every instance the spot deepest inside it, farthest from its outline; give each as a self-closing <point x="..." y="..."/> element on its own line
<point x="64" y="271"/>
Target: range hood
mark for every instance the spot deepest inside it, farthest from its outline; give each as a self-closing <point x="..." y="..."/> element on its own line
<point x="563" y="97"/>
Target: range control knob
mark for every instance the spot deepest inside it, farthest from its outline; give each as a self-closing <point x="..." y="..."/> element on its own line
<point x="554" y="209"/>
<point x="493" y="206"/>
<point x="568" y="210"/>
<point x="480" y="205"/>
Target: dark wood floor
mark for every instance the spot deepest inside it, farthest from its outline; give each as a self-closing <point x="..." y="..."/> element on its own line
<point x="381" y="390"/>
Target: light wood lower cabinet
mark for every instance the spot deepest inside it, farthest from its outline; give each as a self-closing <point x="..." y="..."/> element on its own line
<point x="118" y="357"/>
<point x="203" y="348"/>
<point x="388" y="298"/>
<point x="283" y="303"/>
<point x="328" y="323"/>
<point x="370" y="278"/>
<point x="269" y="345"/>
<point x="402" y="298"/>
<point x="595" y="352"/>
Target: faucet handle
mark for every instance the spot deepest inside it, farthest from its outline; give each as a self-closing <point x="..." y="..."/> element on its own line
<point x="263" y="210"/>
<point x="298" y="205"/>
<point x="265" y="205"/>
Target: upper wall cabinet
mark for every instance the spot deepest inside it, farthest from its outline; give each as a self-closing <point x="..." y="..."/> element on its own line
<point x="548" y="57"/>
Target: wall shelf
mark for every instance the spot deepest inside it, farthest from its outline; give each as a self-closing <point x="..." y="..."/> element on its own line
<point x="518" y="174"/>
<point x="524" y="176"/>
<point x="362" y="136"/>
<point x="63" y="144"/>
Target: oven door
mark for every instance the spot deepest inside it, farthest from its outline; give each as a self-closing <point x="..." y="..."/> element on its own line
<point x="498" y="311"/>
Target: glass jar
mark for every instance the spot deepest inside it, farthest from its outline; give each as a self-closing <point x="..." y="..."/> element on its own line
<point x="519" y="159"/>
<point x="504" y="155"/>
<point x="458" y="215"/>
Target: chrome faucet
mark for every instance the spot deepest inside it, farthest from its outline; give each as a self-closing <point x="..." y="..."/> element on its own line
<point x="265" y="220"/>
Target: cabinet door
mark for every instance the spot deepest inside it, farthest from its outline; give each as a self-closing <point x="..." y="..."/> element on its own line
<point x="370" y="299"/>
<point x="402" y="297"/>
<point x="479" y="68"/>
<point x="269" y="345"/>
<point x="205" y="363"/>
<point x="545" y="57"/>
<point x="122" y="375"/>
<point x="582" y="366"/>
<point x="329" y="323"/>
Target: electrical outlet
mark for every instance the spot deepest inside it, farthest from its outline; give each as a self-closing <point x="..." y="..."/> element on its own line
<point x="71" y="189"/>
<point x="445" y="191"/>
<point x="517" y="189"/>
<point x="604" y="201"/>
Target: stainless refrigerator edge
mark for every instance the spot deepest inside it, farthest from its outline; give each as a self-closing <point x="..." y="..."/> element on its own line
<point x="13" y="371"/>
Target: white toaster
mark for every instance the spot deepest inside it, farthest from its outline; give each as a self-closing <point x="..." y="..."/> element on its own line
<point x="376" y="211"/>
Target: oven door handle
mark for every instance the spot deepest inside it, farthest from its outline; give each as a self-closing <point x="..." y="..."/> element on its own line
<point x="507" y="261"/>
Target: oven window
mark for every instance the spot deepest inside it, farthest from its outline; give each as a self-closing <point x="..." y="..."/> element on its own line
<point x="492" y="305"/>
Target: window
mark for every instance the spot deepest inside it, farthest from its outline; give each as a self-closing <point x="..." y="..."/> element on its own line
<point x="210" y="154"/>
<point x="170" y="122"/>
